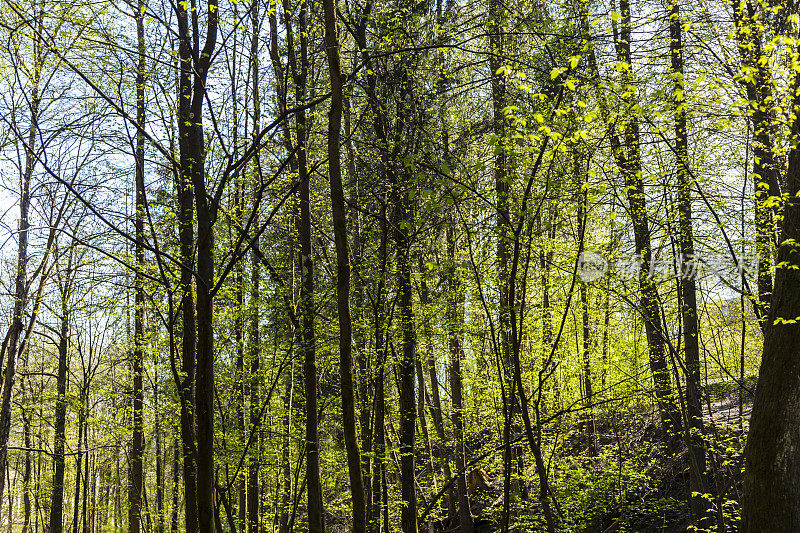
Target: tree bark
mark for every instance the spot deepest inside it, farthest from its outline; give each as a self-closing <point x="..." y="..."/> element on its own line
<point x="749" y="26"/>
<point x="772" y="464"/>
<point x="194" y="66"/>
<point x="688" y="285"/>
<point x="401" y="223"/>
<point x="588" y="394"/>
<point x="342" y="270"/>
<point x="628" y="158"/>
<point x="455" y="323"/>
<point x="9" y="351"/>
<point x="57" y="498"/>
<point x="379" y="435"/>
<point x="299" y="69"/>
<point x="176" y="473"/>
<point x="137" y="441"/>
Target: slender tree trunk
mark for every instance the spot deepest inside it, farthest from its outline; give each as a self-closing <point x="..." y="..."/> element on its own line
<point x="316" y="516"/>
<point x="455" y="323"/>
<point x="176" y="473"/>
<point x="588" y="393"/>
<point x="422" y="400"/>
<point x="9" y="350"/>
<point x="242" y="382"/>
<point x="137" y="442"/>
<point x="286" y="465"/>
<point x="88" y="473"/>
<point x="366" y="380"/>
<point x="241" y="390"/>
<point x="688" y="286"/>
<point x="749" y="27"/>
<point x="57" y="498"/>
<point x="253" y="494"/>
<point x="628" y="156"/>
<point x="401" y="222"/>
<point x="434" y="399"/>
<point x="379" y="435"/>
<point x="26" y="479"/>
<point x="160" y="481"/>
<point x="501" y="183"/>
<point x="339" y="215"/>
<point x="79" y="462"/>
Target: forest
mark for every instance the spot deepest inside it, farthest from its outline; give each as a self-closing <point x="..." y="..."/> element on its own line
<point x="414" y="266"/>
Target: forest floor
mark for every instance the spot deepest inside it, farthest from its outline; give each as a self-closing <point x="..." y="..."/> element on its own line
<point x="725" y="408"/>
<point x="633" y="484"/>
<point x="727" y="414"/>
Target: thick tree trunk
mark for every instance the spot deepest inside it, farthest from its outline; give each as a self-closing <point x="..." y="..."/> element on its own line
<point x="204" y="391"/>
<point x="194" y="65"/>
<point x="186" y="380"/>
<point x="772" y="463"/>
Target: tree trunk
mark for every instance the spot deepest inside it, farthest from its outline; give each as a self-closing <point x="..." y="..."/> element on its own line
<point x="57" y="498"/>
<point x="343" y="271"/>
<point x="9" y="350"/>
<point x="186" y="380"/>
<point x="316" y="516"/>
<point x="253" y="507"/>
<point x="748" y="26"/>
<point x="588" y="394"/>
<point x="194" y="66"/>
<point x="26" y="479"/>
<point x="455" y="323"/>
<point x="379" y="437"/>
<point x="628" y="157"/>
<point x="286" y="466"/>
<point x="137" y="441"/>
<point x="79" y="462"/>
<point x="160" y="481"/>
<point x="255" y="401"/>
<point x="688" y="286"/>
<point x="772" y="464"/>
<point x="176" y="473"/>
<point x="408" y="514"/>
